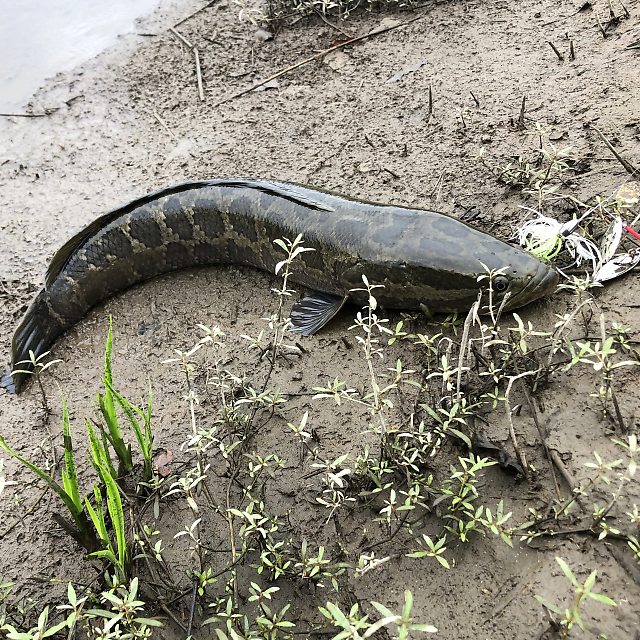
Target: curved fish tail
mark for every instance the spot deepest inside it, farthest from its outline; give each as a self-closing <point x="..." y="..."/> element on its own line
<point x="35" y="334"/>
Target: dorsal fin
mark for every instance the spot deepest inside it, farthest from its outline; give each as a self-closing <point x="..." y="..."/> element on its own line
<point x="62" y="256"/>
<point x="289" y="191"/>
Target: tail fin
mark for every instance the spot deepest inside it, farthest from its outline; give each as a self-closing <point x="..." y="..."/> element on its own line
<point x="35" y="333"/>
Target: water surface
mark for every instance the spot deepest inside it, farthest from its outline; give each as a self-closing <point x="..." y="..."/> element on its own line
<point x="39" y="38"/>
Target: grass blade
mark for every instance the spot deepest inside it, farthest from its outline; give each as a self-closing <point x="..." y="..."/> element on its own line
<point x="43" y="475"/>
<point x="143" y="434"/>
<point x="69" y="476"/>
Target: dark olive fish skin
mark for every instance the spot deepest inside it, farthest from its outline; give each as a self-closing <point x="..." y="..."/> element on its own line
<point x="421" y="257"/>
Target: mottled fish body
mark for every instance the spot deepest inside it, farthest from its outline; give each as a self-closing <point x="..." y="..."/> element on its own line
<point x="423" y="258"/>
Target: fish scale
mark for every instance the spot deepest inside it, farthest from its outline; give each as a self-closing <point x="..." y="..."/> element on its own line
<point x="423" y="258"/>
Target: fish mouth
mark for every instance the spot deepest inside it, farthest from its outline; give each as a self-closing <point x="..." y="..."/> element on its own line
<point x="543" y="282"/>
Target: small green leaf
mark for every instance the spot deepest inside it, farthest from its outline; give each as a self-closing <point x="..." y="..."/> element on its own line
<point x="599" y="597"/>
<point x="567" y="571"/>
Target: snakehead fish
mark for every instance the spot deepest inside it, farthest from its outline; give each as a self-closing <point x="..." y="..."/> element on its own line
<point x="423" y="258"/>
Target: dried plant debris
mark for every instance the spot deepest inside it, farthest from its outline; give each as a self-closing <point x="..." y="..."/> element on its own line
<point x="342" y="9"/>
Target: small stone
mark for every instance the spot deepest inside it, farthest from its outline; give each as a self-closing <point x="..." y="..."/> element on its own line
<point x="262" y="35"/>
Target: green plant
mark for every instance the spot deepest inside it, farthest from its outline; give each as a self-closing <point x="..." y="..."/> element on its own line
<point x="141" y="424"/>
<point x="68" y="492"/>
<point x="114" y="552"/>
<point x="122" y="618"/>
<point x="113" y="432"/>
<point x="37" y="366"/>
<point x="572" y="616"/>
<point x="357" y="626"/>
<point x="39" y="632"/>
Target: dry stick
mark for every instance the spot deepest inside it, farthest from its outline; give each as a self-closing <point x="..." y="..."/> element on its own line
<point x="28" y="512"/>
<point x="192" y="610"/>
<point x="198" y="74"/>
<point x="512" y="432"/>
<point x="333" y="26"/>
<point x="316" y="56"/>
<point x="623" y="161"/>
<point x="533" y="409"/>
<point x="25" y="115"/>
<point x="196" y="55"/>
<point x="164" y="125"/>
<point x="568" y="478"/>
<point x="523" y="108"/>
<point x="195" y="13"/>
<point x="430" y="111"/>
<point x="555" y="50"/>
<point x="172" y="616"/>
<point x="603" y="31"/>
<point x="181" y="38"/>
<point x="626" y="11"/>
<point x="464" y="345"/>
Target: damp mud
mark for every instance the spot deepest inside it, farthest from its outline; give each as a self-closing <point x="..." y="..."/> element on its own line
<point x="421" y="115"/>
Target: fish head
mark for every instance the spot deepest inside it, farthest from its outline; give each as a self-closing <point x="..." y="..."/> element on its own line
<point x="523" y="281"/>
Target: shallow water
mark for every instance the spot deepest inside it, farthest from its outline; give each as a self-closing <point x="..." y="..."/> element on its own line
<point x="39" y="38"/>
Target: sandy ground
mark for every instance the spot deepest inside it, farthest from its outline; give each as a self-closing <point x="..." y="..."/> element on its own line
<point x="131" y="121"/>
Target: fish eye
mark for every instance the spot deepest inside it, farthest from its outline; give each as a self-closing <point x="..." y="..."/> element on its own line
<point x="500" y="284"/>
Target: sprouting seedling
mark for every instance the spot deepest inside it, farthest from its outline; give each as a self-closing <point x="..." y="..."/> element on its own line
<point x="572" y="616"/>
<point x="38" y="365"/>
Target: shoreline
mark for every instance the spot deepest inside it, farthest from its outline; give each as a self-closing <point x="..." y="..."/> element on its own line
<point x="359" y="121"/>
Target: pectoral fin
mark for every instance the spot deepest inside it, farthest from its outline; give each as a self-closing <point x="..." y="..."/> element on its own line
<point x="6" y="382"/>
<point x="312" y="312"/>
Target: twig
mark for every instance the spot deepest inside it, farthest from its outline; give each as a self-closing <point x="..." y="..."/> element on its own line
<point x="27" y="115"/>
<point x="626" y="11"/>
<point x="512" y="432"/>
<point x="603" y="31"/>
<point x="551" y="533"/>
<point x="192" y="610"/>
<point x="623" y="161"/>
<point x="196" y="55"/>
<point x="195" y="13"/>
<point x="624" y="562"/>
<point x="515" y="592"/>
<point x="181" y="38"/>
<point x="609" y="381"/>
<point x="523" y="108"/>
<point x="373" y="545"/>
<point x="172" y="616"/>
<point x="164" y="125"/>
<point x="533" y="409"/>
<point x="316" y="56"/>
<point x="561" y="19"/>
<point x="21" y="519"/>
<point x="438" y="186"/>
<point x="555" y="50"/>
<point x="568" y="478"/>
<point x="333" y="26"/>
<point x="464" y="342"/>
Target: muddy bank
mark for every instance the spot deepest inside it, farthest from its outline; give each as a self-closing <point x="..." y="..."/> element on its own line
<point x="359" y="121"/>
